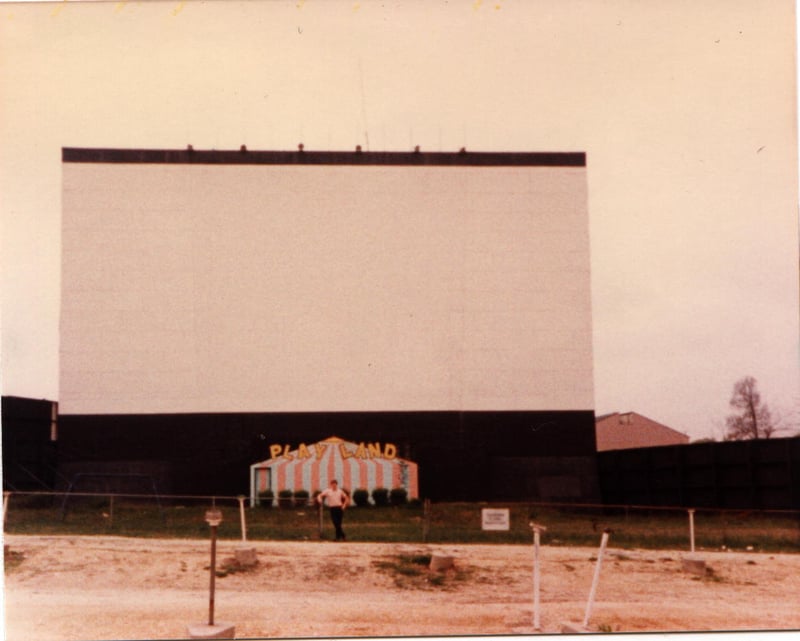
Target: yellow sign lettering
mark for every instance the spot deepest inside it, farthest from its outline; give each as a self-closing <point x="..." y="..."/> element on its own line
<point x="363" y="451"/>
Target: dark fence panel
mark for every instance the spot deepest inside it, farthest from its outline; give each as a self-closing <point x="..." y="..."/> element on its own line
<point x="757" y="475"/>
<point x="461" y="455"/>
<point x="29" y="456"/>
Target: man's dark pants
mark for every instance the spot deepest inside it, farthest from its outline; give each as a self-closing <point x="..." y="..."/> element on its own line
<point x="336" y="517"/>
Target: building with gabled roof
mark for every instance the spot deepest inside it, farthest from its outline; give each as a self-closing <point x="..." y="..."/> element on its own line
<point x="627" y="430"/>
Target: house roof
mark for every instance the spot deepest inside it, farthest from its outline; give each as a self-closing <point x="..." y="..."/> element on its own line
<point x="622" y="430"/>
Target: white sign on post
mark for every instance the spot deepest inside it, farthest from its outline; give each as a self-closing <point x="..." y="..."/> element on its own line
<point x="495" y="519"/>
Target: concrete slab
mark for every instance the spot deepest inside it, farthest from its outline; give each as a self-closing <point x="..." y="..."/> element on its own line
<point x="220" y="630"/>
<point x="440" y="562"/>
<point x="246" y="556"/>
<point x="694" y="565"/>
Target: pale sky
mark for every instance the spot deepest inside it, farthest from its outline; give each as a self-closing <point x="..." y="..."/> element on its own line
<point x="686" y="110"/>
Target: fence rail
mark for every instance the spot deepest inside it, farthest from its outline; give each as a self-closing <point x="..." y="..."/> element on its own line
<point x="634" y="526"/>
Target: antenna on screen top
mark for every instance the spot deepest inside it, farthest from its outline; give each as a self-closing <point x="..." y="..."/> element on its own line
<point x="363" y="103"/>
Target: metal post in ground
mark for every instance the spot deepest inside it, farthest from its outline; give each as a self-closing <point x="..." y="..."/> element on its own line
<point x="212" y="629"/>
<point x="537" y="530"/>
<point x="691" y="530"/>
<point x="595" y="579"/>
<point x="245" y="555"/>
<point x="213" y="518"/>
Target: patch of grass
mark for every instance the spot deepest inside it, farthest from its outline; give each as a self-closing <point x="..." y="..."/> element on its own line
<point x="710" y="577"/>
<point x="330" y="571"/>
<point x="411" y="572"/>
<point x="437" y="579"/>
<point x="419" y="559"/>
<point x="227" y="567"/>
<point x="405" y="573"/>
<point x="12" y="560"/>
<point x="458" y="523"/>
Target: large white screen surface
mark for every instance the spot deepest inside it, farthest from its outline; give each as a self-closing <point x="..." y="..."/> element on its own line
<point x="294" y="288"/>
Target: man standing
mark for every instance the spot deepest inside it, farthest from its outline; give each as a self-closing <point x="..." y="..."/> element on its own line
<point x="337" y="502"/>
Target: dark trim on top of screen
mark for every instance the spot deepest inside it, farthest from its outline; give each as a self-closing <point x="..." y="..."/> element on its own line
<point x="245" y="156"/>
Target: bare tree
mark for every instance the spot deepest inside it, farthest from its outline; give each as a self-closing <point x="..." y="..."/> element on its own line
<point x="753" y="418"/>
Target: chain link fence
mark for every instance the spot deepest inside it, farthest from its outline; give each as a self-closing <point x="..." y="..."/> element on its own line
<point x="171" y="516"/>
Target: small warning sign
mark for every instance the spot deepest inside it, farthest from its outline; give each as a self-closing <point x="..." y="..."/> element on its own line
<point x="495" y="519"/>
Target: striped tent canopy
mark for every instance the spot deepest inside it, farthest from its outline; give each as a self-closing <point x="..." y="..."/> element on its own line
<point x="353" y="465"/>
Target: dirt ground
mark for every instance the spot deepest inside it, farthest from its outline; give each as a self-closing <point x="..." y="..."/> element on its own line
<point x="67" y="587"/>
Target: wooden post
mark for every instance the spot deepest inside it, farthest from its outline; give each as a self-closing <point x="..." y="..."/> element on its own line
<point x="426" y="520"/>
<point x="212" y="630"/>
<point x="213" y="518"/>
<point x="213" y="574"/>
<point x="241" y="517"/>
<point x="691" y="530"/>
